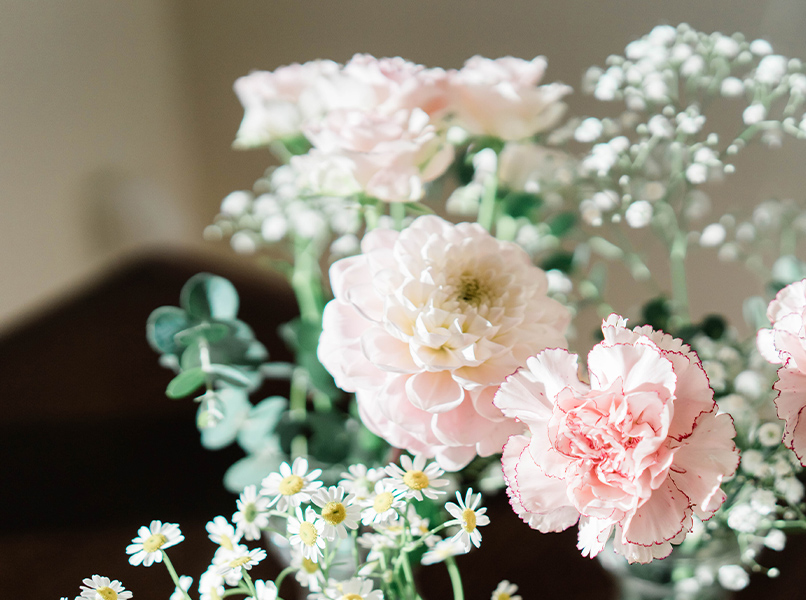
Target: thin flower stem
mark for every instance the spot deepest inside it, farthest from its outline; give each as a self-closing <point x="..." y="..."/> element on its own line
<point x="397" y="210"/>
<point x="283" y="574"/>
<point x="677" y="258"/>
<point x="456" y="579"/>
<point x="306" y="281"/>
<point x="248" y="581"/>
<point x="488" y="203"/>
<point x="172" y="572"/>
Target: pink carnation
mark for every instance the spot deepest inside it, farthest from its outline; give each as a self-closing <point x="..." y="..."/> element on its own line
<point x="786" y="343"/>
<point x="502" y="98"/>
<point x="425" y="325"/>
<point x="635" y="453"/>
<point x="388" y="156"/>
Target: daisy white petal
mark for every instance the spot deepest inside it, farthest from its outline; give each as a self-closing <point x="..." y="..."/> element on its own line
<point x="505" y="591"/>
<point x="383" y="504"/>
<point x="306" y="532"/>
<point x="241" y="558"/>
<point x="185" y="582"/>
<point x="222" y="532"/>
<point x="338" y="513"/>
<point x="102" y="588"/>
<point x="468" y="517"/>
<point x="442" y="550"/>
<point x="252" y="515"/>
<point x="292" y="486"/>
<point x="415" y="479"/>
<point x="147" y="547"/>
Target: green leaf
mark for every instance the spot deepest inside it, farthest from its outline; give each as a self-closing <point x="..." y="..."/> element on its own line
<point x="562" y="261"/>
<point x="520" y="204"/>
<point x="230" y="375"/>
<point x="207" y="296"/>
<point x="162" y="326"/>
<point x="656" y="313"/>
<point x="212" y="332"/>
<point x="186" y="383"/>
<point x="562" y="223"/>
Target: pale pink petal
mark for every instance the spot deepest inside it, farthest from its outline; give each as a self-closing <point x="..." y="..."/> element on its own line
<point x="387" y="352"/>
<point x="661" y="518"/>
<point x="434" y="392"/>
<point x="791" y="400"/>
<point x="593" y="535"/>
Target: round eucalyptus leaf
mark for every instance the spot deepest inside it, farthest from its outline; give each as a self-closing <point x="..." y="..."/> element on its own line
<point x="186" y="383"/>
<point x="207" y="296"/>
<point x="163" y="324"/>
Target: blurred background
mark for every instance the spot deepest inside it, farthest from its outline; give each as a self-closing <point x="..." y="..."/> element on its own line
<point x="116" y="124"/>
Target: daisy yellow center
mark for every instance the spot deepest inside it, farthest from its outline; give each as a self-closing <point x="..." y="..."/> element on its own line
<point x="416" y="480"/>
<point x="291" y="485"/>
<point x="309" y="566"/>
<point x="503" y="596"/>
<point x="107" y="593"/>
<point x="226" y="543"/>
<point x="352" y="597"/>
<point x="334" y="513"/>
<point x="307" y="533"/>
<point x="469" y="517"/>
<point x="153" y="543"/>
<point x="239" y="562"/>
<point x="383" y="502"/>
<point x="250" y="512"/>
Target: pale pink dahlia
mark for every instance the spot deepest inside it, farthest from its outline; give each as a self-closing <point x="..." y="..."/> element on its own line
<point x="786" y="343"/>
<point x="502" y="98"/>
<point x="425" y="325"/>
<point x="637" y="452"/>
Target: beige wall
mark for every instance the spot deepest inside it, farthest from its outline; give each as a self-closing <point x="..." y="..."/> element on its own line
<point x="117" y="116"/>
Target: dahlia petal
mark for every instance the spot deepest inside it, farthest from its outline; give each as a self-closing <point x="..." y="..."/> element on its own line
<point x="454" y="458"/>
<point x="434" y="392"/>
<point x="386" y="352"/>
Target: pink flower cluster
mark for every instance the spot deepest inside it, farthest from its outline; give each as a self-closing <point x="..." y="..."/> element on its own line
<point x="382" y="122"/>
<point x="785" y="344"/>
<point x="635" y="454"/>
<point x="424" y="326"/>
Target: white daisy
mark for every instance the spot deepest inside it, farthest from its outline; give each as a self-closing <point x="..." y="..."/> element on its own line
<point x="265" y="590"/>
<point x="251" y="515"/>
<point x="309" y="574"/>
<point x="101" y="588"/>
<point x="337" y="512"/>
<point x="356" y="588"/>
<point x="147" y="547"/>
<point x="221" y="532"/>
<point x="306" y="532"/>
<point x="185" y="581"/>
<point x="442" y="550"/>
<point x="292" y="486"/>
<point x="414" y="479"/>
<point x="240" y="558"/>
<point x="420" y="526"/>
<point x="383" y="504"/>
<point x="359" y="480"/>
<point x="211" y="584"/>
<point x="469" y="517"/>
<point x="505" y="591"/>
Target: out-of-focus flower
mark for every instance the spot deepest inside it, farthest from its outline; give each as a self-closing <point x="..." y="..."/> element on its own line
<point x="502" y="98"/>
<point x="639" y="451"/>
<point x="425" y="324"/>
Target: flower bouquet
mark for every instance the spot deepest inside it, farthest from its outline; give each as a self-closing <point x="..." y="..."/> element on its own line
<point x="471" y="233"/>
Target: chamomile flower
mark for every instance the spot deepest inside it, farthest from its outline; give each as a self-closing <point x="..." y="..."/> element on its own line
<point x="251" y="515"/>
<point x="359" y="480"/>
<point x="240" y="558"/>
<point x="292" y="486"/>
<point x="306" y="532"/>
<point x="443" y="549"/>
<point x="338" y="513"/>
<point x="101" y="588"/>
<point x="415" y="479"/>
<point x="505" y="591"/>
<point x="309" y="574"/>
<point x="265" y="590"/>
<point x="356" y="588"/>
<point x="211" y="584"/>
<point x="221" y="532"/>
<point x="468" y="517"/>
<point x="382" y="506"/>
<point x="185" y="581"/>
<point x="147" y="547"/>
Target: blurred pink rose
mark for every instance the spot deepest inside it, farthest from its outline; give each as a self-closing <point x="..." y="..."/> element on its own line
<point x="424" y="326"/>
<point x="501" y="97"/>
<point x="637" y="451"/>
<point x="786" y="343"/>
<point x="390" y="156"/>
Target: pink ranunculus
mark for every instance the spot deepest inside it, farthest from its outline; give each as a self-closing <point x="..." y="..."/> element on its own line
<point x="390" y="156"/>
<point x="785" y="344"/>
<point x="425" y="325"/>
<point x="272" y="101"/>
<point x="635" y="454"/>
<point x="502" y="98"/>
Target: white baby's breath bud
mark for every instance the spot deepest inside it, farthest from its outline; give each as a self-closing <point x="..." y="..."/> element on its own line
<point x="679" y="54"/>
<point x="590" y="213"/>
<point x="485" y="163"/>
<point x="775" y="540"/>
<point x="212" y="233"/>
<point x="456" y="135"/>
<point x="726" y="46"/>
<point x="746" y="233"/>
<point x="659" y="126"/>
<point x="771" y="69"/>
<point x="690" y="122"/>
<point x="763" y="502"/>
<point x="345" y="245"/>
<point x="693" y="66"/>
<point x="755" y="113"/>
<point x="731" y="87"/>
<point x="753" y="463"/>
<point x="589" y="130"/>
<point x="639" y="214"/>
<point x="558" y="282"/>
<point x="790" y="488"/>
<point x="773" y="572"/>
<point x="697" y="173"/>
<point x="743" y="518"/>
<point x="236" y="203"/>
<point x="243" y="242"/>
<point x="749" y="383"/>
<point x="760" y="47"/>
<point x="713" y="235"/>
<point x="606" y="200"/>
<point x="733" y="577"/>
<point x="770" y="434"/>
<point x="797" y="83"/>
<point x="274" y="228"/>
<point x="662" y="35"/>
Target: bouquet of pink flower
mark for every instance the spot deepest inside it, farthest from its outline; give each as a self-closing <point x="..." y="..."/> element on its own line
<point x="446" y="337"/>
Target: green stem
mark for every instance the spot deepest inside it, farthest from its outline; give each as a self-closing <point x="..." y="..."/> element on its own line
<point x="488" y="203"/>
<point x="174" y="576"/>
<point x="397" y="210"/>
<point x="283" y="574"/>
<point x="677" y="259"/>
<point x="456" y="579"/>
<point x="298" y="408"/>
<point x="248" y="581"/>
<point x="306" y="281"/>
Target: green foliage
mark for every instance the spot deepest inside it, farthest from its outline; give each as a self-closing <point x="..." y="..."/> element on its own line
<point x="520" y="204"/>
<point x="303" y="338"/>
<point x="562" y="223"/>
<point x="562" y="261"/>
